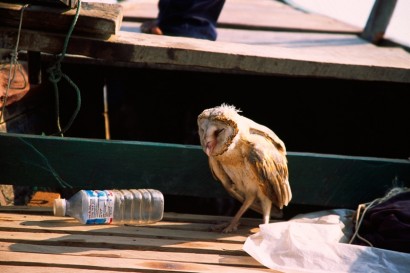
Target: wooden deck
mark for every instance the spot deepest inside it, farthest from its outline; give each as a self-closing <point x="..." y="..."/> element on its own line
<point x="32" y="240"/>
<point x="291" y="42"/>
<point x="260" y="37"/>
<point x="257" y="15"/>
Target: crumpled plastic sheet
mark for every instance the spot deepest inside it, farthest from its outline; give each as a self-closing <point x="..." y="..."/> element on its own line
<point x="319" y="242"/>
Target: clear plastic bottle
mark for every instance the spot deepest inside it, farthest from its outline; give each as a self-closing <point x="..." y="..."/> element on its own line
<point x="119" y="207"/>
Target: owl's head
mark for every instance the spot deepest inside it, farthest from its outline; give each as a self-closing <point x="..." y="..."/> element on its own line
<point x="217" y="128"/>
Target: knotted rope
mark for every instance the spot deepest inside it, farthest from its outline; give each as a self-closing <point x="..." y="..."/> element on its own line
<point x="56" y="74"/>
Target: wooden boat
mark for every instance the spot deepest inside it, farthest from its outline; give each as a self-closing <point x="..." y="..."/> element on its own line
<point x="348" y="155"/>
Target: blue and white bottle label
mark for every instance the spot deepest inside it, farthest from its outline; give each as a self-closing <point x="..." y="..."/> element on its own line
<point x="101" y="207"/>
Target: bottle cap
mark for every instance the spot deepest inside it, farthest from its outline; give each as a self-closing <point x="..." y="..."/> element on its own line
<point x="59" y="207"/>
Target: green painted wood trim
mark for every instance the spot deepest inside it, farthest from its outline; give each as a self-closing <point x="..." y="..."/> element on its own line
<point x="102" y="164"/>
<point x="316" y="179"/>
<point x="344" y="181"/>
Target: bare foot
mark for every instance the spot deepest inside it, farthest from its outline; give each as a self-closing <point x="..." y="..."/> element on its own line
<point x="150" y="27"/>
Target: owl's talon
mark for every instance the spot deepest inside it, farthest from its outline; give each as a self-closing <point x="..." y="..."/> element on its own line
<point x="218" y="227"/>
<point x="225" y="227"/>
<point x="230" y="229"/>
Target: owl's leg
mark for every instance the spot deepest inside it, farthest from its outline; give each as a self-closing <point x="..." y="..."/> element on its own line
<point x="266" y="209"/>
<point x="233" y="225"/>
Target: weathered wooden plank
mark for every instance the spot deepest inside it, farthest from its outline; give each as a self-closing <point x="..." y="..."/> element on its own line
<point x="316" y="179"/>
<point x="162" y="229"/>
<point x="3" y="200"/>
<point x="40" y="269"/>
<point x="43" y="199"/>
<point x="285" y="39"/>
<point x="109" y="263"/>
<point x="95" y="19"/>
<point x="39" y="211"/>
<point x="176" y="223"/>
<point x="356" y="60"/>
<point x="261" y="14"/>
<point x="132" y="254"/>
<point x="275" y="13"/>
<point x="52" y="3"/>
<point x="196" y="222"/>
<point x="195" y="218"/>
<point x="120" y="242"/>
<point x="166" y="229"/>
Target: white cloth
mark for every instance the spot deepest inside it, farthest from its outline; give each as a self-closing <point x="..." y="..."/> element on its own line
<point x="318" y="243"/>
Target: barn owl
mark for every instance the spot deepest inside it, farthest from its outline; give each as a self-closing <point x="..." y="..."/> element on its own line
<point x="248" y="159"/>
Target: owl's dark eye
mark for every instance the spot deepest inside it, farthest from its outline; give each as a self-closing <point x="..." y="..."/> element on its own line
<point x="217" y="132"/>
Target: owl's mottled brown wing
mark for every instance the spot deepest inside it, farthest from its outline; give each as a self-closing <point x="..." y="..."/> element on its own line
<point x="256" y="128"/>
<point x="264" y="167"/>
<point x="269" y="160"/>
<point x="270" y="166"/>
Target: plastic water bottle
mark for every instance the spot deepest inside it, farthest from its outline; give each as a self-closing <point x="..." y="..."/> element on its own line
<point x="118" y="207"/>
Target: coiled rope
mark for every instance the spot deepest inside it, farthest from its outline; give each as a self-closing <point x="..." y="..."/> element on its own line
<point x="55" y="75"/>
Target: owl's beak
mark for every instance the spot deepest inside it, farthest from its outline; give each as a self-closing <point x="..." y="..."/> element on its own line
<point x="210" y="145"/>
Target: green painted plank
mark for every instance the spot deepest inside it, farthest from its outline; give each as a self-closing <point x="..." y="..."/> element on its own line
<point x="102" y="164"/>
<point x="316" y="179"/>
<point x="344" y="181"/>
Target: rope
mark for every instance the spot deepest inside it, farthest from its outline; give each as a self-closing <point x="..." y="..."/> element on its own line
<point x="359" y="219"/>
<point x="14" y="63"/>
<point x="367" y="206"/>
<point x="55" y="75"/>
<point x="47" y="163"/>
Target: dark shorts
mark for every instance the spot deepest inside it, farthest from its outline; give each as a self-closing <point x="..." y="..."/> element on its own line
<point x="190" y="18"/>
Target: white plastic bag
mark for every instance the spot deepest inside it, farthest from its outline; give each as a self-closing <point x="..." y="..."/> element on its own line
<point x="318" y="242"/>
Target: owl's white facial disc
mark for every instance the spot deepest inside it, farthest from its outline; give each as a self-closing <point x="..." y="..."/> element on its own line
<point x="215" y="136"/>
